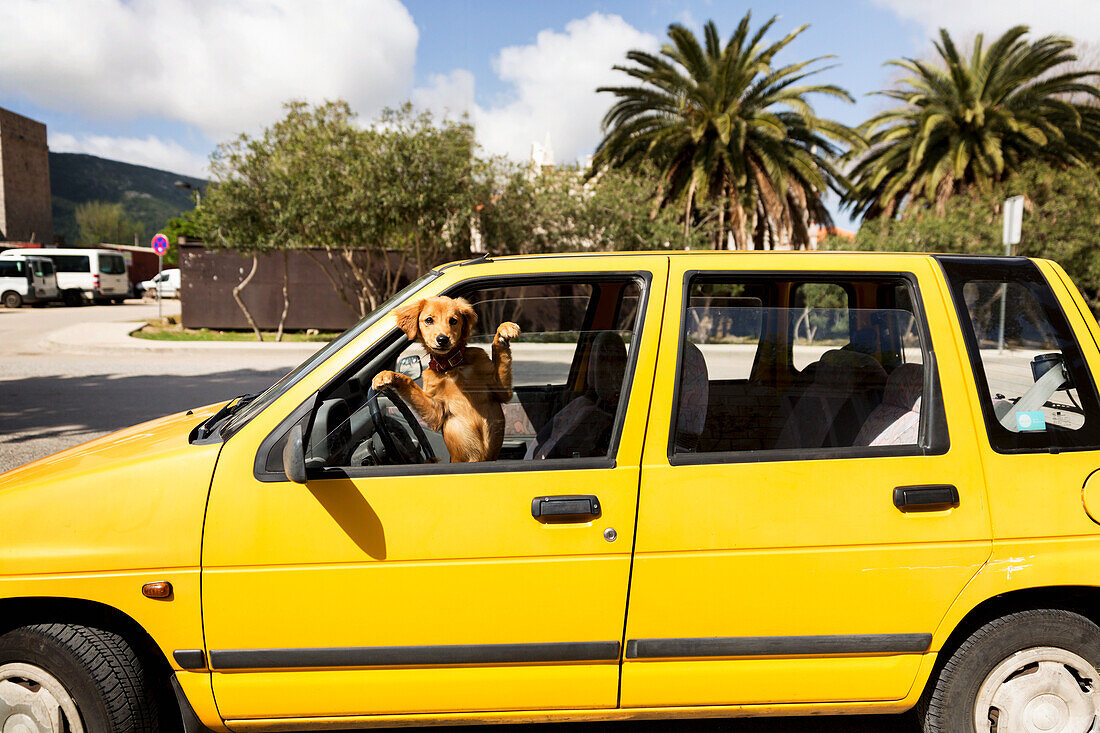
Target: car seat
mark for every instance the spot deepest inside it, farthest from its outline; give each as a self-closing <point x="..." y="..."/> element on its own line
<point x="583" y="427"/>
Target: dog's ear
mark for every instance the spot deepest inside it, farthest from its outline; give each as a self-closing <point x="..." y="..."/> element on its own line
<point x="408" y="318"/>
<point x="469" y="317"/>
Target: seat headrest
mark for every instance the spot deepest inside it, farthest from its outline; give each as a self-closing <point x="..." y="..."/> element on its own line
<point x="694" y="393"/>
<point x="607" y="366"/>
<point x="904" y="386"/>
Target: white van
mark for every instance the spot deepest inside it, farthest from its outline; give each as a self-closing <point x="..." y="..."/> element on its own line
<point x="164" y="285"/>
<point x="27" y="280"/>
<point x="96" y="275"/>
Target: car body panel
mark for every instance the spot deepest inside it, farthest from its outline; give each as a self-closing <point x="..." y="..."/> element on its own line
<point x="817" y="547"/>
<point x="340" y="565"/>
<point x="345" y="564"/>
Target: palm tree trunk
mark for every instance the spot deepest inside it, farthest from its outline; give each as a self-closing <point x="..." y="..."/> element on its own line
<point x="687" y="211"/>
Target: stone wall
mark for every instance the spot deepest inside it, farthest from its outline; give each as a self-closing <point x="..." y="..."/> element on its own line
<point x="25" y="207"/>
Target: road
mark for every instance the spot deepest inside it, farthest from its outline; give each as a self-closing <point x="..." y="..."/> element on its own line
<point x="53" y="397"/>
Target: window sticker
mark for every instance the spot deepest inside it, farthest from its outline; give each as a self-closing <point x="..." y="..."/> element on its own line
<point x="1030" y="420"/>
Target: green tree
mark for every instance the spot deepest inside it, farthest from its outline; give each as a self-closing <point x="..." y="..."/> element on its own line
<point x="1061" y="218"/>
<point x="185" y="225"/>
<point x="99" y="221"/>
<point x="969" y="122"/>
<point x="371" y="205"/>
<point x="557" y="210"/>
<point x="727" y="128"/>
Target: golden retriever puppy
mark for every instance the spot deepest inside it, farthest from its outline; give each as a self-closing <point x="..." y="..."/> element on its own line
<point x="463" y="387"/>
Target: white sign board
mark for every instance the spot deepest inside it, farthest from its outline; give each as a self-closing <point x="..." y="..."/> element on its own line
<point x="1014" y="220"/>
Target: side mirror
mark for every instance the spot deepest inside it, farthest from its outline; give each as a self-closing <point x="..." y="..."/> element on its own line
<point x="294" y="458"/>
<point x="411" y="367"/>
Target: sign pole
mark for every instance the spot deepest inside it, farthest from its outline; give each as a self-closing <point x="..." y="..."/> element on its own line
<point x="1010" y="235"/>
<point x="160" y="246"/>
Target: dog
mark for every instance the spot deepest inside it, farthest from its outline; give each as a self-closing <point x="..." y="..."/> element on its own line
<point x="463" y="387"/>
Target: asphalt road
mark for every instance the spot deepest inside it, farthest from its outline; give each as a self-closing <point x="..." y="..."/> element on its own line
<point x="53" y="397"/>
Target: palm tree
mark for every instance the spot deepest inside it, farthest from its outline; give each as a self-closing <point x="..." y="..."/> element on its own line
<point x="724" y="127"/>
<point x="971" y="121"/>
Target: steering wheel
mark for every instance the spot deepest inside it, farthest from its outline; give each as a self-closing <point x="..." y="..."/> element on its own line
<point x="398" y="445"/>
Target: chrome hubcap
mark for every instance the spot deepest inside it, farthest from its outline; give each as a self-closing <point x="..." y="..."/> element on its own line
<point x="1039" y="690"/>
<point x="33" y="701"/>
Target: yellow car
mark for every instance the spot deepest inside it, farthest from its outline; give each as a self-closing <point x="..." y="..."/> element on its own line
<point x="731" y="484"/>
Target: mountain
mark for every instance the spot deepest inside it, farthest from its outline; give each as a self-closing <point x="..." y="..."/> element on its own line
<point x="148" y="195"/>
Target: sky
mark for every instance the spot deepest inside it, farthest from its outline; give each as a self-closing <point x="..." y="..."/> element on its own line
<point x="162" y="82"/>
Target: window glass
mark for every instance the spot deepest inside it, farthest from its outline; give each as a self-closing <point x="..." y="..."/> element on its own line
<point x="770" y="364"/>
<point x="71" y="263"/>
<point x="568" y="371"/>
<point x="1036" y="390"/>
<point x="42" y="267"/>
<point x="112" y="265"/>
<point x="11" y="268"/>
<point x="821" y="322"/>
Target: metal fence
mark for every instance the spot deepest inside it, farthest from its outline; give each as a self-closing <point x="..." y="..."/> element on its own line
<point x="209" y="275"/>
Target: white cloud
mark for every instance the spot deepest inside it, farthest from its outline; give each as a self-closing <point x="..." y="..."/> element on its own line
<point x="225" y="66"/>
<point x="1077" y="18"/>
<point x="149" y="151"/>
<point x="554" y="84"/>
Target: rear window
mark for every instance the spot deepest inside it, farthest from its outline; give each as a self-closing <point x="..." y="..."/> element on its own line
<point x="71" y="263"/>
<point x="112" y="265"/>
<point x="12" y="268"/>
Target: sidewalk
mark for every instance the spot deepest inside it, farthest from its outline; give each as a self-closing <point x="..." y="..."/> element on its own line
<point x="110" y="336"/>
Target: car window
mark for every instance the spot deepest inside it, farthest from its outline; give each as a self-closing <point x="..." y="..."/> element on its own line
<point x="569" y="369"/>
<point x="112" y="265"/>
<point x="822" y="321"/>
<point x="12" y="268"/>
<point x="773" y="364"/>
<point x="1035" y="389"/>
<point x="71" y="263"/>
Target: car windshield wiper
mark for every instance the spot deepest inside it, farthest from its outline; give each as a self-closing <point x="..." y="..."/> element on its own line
<point x="206" y="428"/>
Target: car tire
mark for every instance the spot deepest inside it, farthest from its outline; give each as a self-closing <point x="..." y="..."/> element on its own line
<point x="92" y="675"/>
<point x="13" y="299"/>
<point x="1027" y="668"/>
<point x="72" y="298"/>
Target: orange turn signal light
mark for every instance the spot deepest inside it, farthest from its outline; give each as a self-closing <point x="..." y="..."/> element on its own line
<point x="160" y="589"/>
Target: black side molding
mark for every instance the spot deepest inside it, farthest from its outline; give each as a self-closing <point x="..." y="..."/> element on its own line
<point x="190" y="658"/>
<point x="926" y="498"/>
<point x="764" y="646"/>
<point x="414" y="656"/>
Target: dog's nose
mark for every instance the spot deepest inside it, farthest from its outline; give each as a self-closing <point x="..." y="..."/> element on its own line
<point x="442" y="340"/>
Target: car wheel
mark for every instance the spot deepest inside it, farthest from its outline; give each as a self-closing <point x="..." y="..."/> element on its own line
<point x="1028" y="671"/>
<point x="64" y="678"/>
<point x="13" y="299"/>
<point x="72" y="298"/>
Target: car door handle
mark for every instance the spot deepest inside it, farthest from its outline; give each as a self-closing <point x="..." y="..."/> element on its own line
<point x="926" y="498"/>
<point x="574" y="508"/>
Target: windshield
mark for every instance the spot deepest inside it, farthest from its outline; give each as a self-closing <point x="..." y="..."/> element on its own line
<point x="270" y="394"/>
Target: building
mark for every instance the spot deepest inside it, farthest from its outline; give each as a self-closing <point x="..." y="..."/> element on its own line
<point x="26" y="213"/>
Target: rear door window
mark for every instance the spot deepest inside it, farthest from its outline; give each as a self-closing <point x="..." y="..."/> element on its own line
<point x="825" y="368"/>
<point x="1035" y="389"/>
<point x="112" y="265"/>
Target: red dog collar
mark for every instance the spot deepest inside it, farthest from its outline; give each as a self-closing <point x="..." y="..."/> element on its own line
<point x="449" y="361"/>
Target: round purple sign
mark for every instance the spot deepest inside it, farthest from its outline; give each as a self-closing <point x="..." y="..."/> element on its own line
<point x="160" y="244"/>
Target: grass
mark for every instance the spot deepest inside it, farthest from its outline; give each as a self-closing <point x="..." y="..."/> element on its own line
<point x="167" y="329"/>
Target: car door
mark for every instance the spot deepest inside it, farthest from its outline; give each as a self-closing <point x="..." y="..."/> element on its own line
<point x="804" y="522"/>
<point x="413" y="589"/>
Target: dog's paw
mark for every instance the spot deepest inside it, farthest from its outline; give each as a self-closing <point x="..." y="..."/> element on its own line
<point x="507" y="331"/>
<point x="385" y="380"/>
